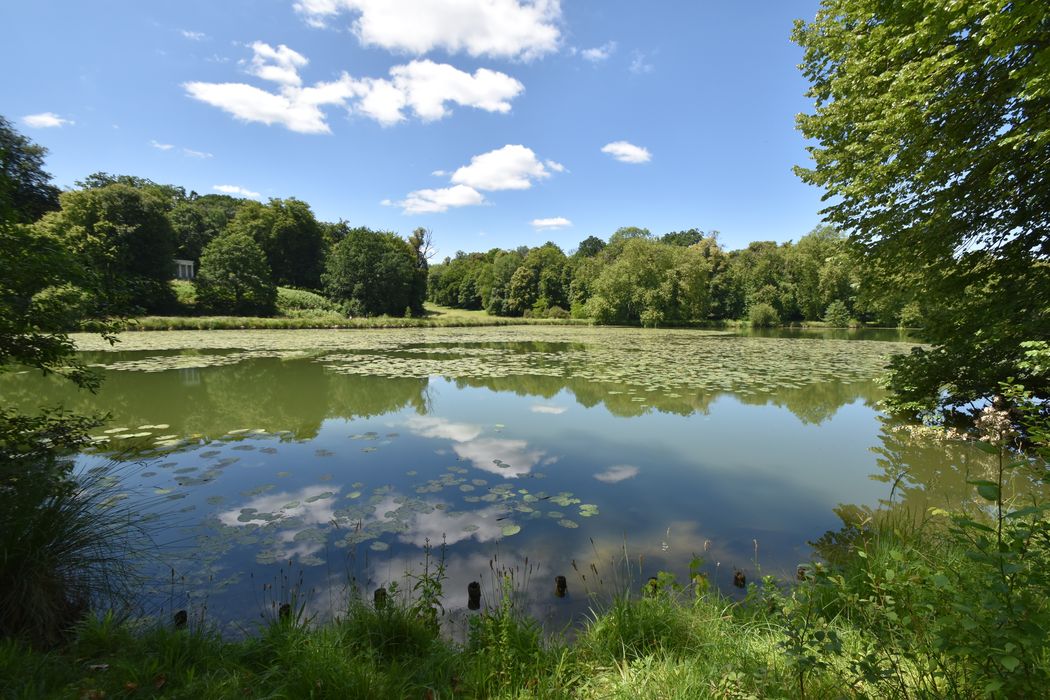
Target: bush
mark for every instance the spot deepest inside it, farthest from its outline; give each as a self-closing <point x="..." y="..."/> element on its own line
<point x="234" y="278"/>
<point x="557" y="312"/>
<point x="837" y="314"/>
<point x="764" y="316"/>
<point x="289" y="299"/>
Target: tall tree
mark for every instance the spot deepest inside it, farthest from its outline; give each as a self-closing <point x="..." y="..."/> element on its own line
<point x="374" y="272"/>
<point x="26" y="192"/>
<point x="932" y="128"/>
<point x="234" y="277"/>
<point x="123" y="237"/>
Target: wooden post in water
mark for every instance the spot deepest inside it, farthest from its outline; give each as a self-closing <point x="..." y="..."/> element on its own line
<point x="379" y="598"/>
<point x="561" y="586"/>
<point x="474" y="596"/>
<point x="180" y="619"/>
<point x="739" y="580"/>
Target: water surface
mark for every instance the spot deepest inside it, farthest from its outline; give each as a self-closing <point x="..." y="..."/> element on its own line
<point x="310" y="459"/>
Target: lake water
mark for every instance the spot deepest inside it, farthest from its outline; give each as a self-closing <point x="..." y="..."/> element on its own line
<point x="310" y="461"/>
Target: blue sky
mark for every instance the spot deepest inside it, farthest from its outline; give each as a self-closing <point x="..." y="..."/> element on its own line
<point x="491" y="122"/>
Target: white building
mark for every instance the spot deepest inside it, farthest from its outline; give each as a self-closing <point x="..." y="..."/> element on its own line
<point x="184" y="269"/>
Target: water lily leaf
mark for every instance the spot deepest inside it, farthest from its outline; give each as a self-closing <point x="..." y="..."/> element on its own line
<point x="511" y="529"/>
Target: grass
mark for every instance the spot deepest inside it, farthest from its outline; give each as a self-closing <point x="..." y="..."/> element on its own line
<point x="870" y="622"/>
<point x="435" y="317"/>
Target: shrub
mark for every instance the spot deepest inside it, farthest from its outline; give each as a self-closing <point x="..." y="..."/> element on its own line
<point x="557" y="312"/>
<point x="289" y="299"/>
<point x="763" y="316"/>
<point x="837" y="314"/>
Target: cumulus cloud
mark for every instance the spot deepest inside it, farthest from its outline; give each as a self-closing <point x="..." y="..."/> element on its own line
<point x="522" y="29"/>
<point x="424" y="87"/>
<point x="281" y="65"/>
<point x="435" y="201"/>
<point x="513" y="167"/>
<point x="45" y="120"/>
<point x="555" y="222"/>
<point x="627" y="152"/>
<point x="555" y="166"/>
<point x="236" y="189"/>
<point x="427" y="87"/>
<point x="599" y="54"/>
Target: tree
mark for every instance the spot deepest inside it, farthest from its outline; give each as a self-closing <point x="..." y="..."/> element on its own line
<point x="291" y="237"/>
<point x="683" y="238"/>
<point x="590" y="247"/>
<point x="26" y="192"/>
<point x="373" y="272"/>
<point x="932" y="130"/>
<point x="234" y="277"/>
<point x="197" y="220"/>
<point x="123" y="239"/>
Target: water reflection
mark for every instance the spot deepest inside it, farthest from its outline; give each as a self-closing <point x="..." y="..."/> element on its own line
<point x="616" y="449"/>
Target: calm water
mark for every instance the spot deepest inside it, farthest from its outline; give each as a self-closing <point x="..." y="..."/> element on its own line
<point x="307" y="459"/>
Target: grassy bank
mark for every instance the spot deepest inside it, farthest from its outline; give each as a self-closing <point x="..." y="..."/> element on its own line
<point x="950" y="606"/>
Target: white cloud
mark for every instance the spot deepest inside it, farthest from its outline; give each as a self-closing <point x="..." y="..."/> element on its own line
<point x="281" y="65"/>
<point x="193" y="36"/>
<point x="45" y="120"/>
<point x="627" y="152"/>
<point x="440" y="173"/>
<point x="599" y="53"/>
<point x="513" y="167"/>
<point x="618" y="473"/>
<point x="434" y="201"/>
<point x="555" y="166"/>
<point x="639" y="64"/>
<point x="236" y="189"/>
<point x="552" y="223"/>
<point x="522" y="29"/>
<point x="424" y="87"/>
<point x="161" y="146"/>
<point x="435" y="427"/>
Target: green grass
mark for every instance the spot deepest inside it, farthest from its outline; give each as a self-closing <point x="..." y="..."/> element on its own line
<point x="436" y="317"/>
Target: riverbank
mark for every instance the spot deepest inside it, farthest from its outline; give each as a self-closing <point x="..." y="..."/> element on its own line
<point x="896" y="609"/>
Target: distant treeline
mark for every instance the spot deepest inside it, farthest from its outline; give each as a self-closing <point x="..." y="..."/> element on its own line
<point x="682" y="276"/>
<point x="107" y="248"/>
<point x="115" y="239"/>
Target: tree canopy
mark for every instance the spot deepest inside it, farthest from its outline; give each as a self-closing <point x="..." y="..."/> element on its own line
<point x="234" y="277"/>
<point x="374" y="272"/>
<point x="932" y="130"/>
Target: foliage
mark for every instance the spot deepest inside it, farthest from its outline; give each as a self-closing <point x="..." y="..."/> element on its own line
<point x="373" y="273"/>
<point x="291" y="237"/>
<point x="933" y="135"/>
<point x="122" y="237"/>
<point x="763" y="315"/>
<point x="837" y="314"/>
<point x="234" y="277"/>
<point x="26" y="192"/>
<point x="301" y="300"/>
<point x="197" y="220"/>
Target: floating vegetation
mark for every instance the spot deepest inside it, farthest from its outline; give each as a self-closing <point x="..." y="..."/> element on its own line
<point x="512" y="529"/>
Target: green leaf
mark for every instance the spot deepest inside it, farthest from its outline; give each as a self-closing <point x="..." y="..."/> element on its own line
<point x="989" y="491"/>
<point x="1009" y="662"/>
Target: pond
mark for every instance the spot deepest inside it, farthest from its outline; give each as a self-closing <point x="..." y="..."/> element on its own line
<point x="317" y="461"/>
